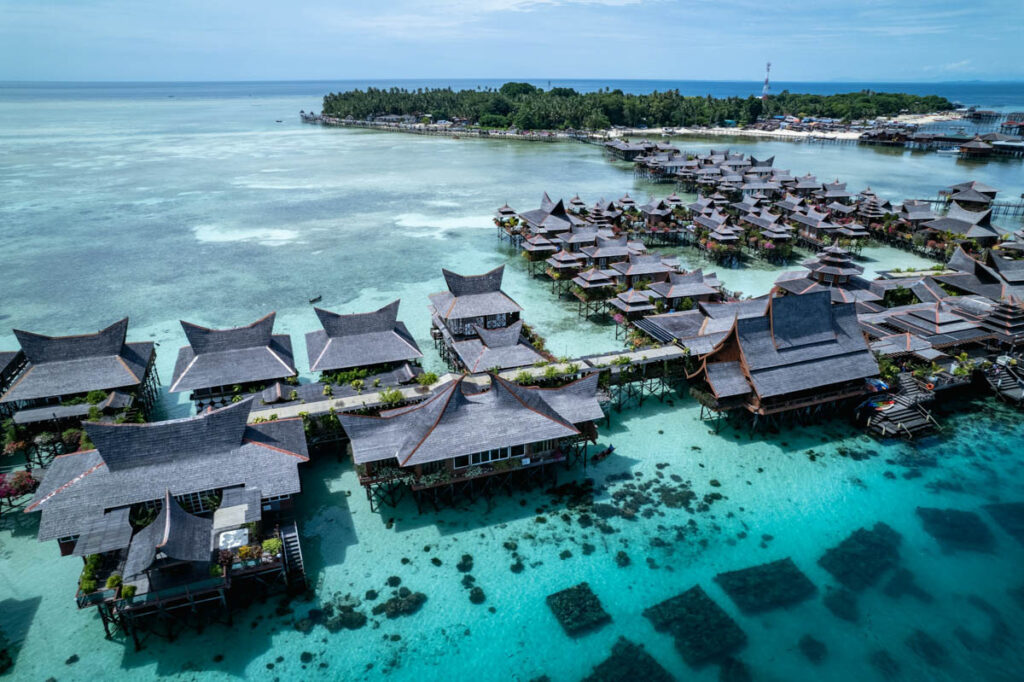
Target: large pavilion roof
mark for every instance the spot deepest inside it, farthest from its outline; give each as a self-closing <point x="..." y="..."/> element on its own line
<point x="360" y="340"/>
<point x="134" y="463"/>
<point x="66" y="365"/>
<point x="222" y="357"/>
<point x="502" y="348"/>
<point x="473" y="296"/>
<point x="456" y="421"/>
<point x="803" y="343"/>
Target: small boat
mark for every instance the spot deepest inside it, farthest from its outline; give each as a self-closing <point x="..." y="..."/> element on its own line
<point x="278" y="121"/>
<point x="604" y="453"/>
<point x="948" y="150"/>
<point x="316" y="299"/>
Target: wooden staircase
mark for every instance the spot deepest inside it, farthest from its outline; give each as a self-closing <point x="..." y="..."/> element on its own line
<point x="907" y="418"/>
<point x="294" y="566"/>
<point x="1007" y="383"/>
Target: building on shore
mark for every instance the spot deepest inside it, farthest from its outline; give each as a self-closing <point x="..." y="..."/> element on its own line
<point x="58" y="381"/>
<point x="170" y="517"/>
<point x="804" y="355"/>
<point x="221" y="366"/>
<point x="468" y="439"/>
<point x="374" y="347"/>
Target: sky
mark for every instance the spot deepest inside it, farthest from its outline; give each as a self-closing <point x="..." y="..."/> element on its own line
<point x="806" y="40"/>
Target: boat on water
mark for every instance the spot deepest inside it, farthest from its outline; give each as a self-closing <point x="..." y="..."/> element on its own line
<point x="948" y="150"/>
<point x="316" y="299"/>
<point x="604" y="453"/>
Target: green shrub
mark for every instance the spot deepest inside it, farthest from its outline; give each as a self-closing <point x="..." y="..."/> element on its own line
<point x="523" y="377"/>
<point x="128" y="591"/>
<point x="328" y="390"/>
<point x="216" y="571"/>
<point x="391" y="396"/>
<point x="114" y="581"/>
<point x="87" y="585"/>
<point x="272" y="546"/>
<point x="95" y="397"/>
<point x="427" y="379"/>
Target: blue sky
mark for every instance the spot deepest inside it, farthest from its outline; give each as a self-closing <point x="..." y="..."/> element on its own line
<point x="867" y="40"/>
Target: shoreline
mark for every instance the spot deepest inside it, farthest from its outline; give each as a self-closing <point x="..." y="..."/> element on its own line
<point x="602" y="136"/>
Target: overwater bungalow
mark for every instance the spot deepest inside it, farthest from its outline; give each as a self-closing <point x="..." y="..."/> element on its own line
<point x="641" y="268"/>
<point x="54" y="382"/>
<point x="684" y="291"/>
<point x="703" y="205"/>
<point x="12" y="363"/>
<point x="537" y="247"/>
<point x="994" y="277"/>
<point x="976" y="225"/>
<point x="551" y="218"/>
<point x="873" y="209"/>
<point x="803" y="355"/>
<point x="564" y="265"/>
<point x="471" y="302"/>
<point x="611" y="250"/>
<point x="976" y="148"/>
<point x="915" y="213"/>
<point x="170" y="517"/>
<point x="700" y="330"/>
<point x="833" y="191"/>
<point x="633" y="304"/>
<point x="789" y="204"/>
<point x="805" y="186"/>
<point x="656" y="213"/>
<point x="374" y="347"/>
<point x="221" y="366"/>
<point x="469" y="439"/>
<point x="832" y="270"/>
<point x="496" y="350"/>
<point x="578" y="237"/>
<point x="595" y="283"/>
<point x="972" y="195"/>
<point x="936" y="323"/>
<point x="626" y="203"/>
<point x="838" y="211"/>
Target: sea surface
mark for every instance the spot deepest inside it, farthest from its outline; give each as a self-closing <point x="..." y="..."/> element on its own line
<point x="169" y="202"/>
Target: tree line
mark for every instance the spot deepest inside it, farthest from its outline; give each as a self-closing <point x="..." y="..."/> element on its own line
<point x="527" y="107"/>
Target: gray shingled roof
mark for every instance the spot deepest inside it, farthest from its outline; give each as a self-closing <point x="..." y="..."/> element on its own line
<point x="360" y="340"/>
<point x="804" y="342"/>
<point x="502" y="348"/>
<point x="222" y="357"/>
<point x="175" y="535"/>
<point x="727" y="379"/>
<point x="66" y="365"/>
<point x="453" y="422"/>
<point x="7" y="360"/>
<point x="136" y="463"/>
<point x="105" y="533"/>
<point x="473" y="296"/>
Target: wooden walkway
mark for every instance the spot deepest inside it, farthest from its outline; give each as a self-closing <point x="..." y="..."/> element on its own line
<point x="371" y="400"/>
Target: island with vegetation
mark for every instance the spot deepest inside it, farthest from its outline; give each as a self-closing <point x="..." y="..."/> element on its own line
<point x="527" y="107"/>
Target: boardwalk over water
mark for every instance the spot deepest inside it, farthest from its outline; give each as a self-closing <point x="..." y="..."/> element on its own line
<point x="371" y="400"/>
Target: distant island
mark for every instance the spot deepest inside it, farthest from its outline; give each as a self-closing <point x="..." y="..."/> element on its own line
<point x="527" y="107"/>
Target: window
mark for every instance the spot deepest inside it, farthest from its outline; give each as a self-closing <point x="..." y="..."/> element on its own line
<point x="484" y="457"/>
<point x="462" y="461"/>
<point x="518" y="450"/>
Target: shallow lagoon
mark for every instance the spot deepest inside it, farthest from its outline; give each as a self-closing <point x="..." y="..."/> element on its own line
<point x="208" y="210"/>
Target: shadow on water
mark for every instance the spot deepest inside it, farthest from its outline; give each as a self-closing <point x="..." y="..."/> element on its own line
<point x="17" y="618"/>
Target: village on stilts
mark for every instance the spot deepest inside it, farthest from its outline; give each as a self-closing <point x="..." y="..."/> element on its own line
<point x="178" y="522"/>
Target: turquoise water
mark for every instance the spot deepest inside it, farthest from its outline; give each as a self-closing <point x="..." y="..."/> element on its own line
<point x="204" y="208"/>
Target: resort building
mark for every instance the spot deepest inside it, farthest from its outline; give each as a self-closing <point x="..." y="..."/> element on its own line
<point x="802" y="355"/>
<point x="685" y="289"/>
<point x="221" y="366"/>
<point x="469" y="438"/>
<point x="376" y="345"/>
<point x="832" y="270"/>
<point x="56" y="381"/>
<point x="172" y="515"/>
<point x="12" y="364"/>
<point x="496" y="350"/>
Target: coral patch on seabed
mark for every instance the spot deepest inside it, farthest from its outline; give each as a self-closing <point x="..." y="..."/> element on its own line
<point x="956" y="529"/>
<point x="703" y="631"/>
<point x="1010" y="517"/>
<point x="767" y="586"/>
<point x="858" y="561"/>
<point x="578" y="609"/>
<point x="628" y="662"/>
<point x="842" y="603"/>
